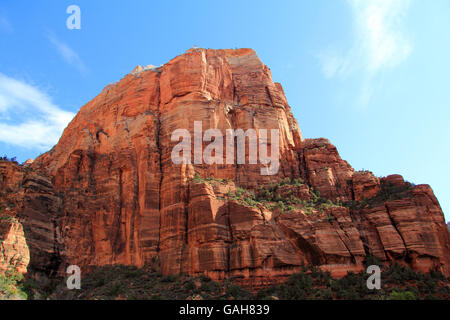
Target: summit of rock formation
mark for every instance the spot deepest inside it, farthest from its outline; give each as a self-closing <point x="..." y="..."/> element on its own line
<point x="109" y="193"/>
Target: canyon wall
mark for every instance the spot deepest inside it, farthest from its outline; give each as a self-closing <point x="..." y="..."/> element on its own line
<point x="109" y="193"/>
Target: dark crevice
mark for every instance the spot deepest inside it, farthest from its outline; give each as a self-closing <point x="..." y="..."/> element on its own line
<point x="186" y="214"/>
<point x="97" y="135"/>
<point x="117" y="233"/>
<point x="270" y="96"/>
<point x="230" y="230"/>
<point x="303" y="168"/>
<point x="311" y="252"/>
<point x="136" y="205"/>
<point x="343" y="242"/>
<point x="158" y="146"/>
<point x="396" y="228"/>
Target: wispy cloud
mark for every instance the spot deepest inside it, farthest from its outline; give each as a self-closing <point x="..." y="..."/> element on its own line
<point x="68" y="54"/>
<point x="28" y="117"/>
<point x="379" y="42"/>
<point x="5" y="25"/>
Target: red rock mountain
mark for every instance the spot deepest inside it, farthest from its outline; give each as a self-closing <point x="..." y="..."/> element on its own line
<point x="109" y="193"/>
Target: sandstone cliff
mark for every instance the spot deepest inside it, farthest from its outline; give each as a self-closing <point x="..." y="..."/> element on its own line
<point x="109" y="193"/>
<point x="29" y="225"/>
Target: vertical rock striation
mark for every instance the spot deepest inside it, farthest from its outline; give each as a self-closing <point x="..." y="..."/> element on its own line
<point x="115" y="196"/>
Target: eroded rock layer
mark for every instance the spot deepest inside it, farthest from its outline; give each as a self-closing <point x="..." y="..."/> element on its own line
<point x="113" y="195"/>
<point x="29" y="220"/>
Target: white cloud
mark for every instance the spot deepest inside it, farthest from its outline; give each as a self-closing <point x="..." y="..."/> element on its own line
<point x="379" y="40"/>
<point x="68" y="54"/>
<point x="28" y="117"/>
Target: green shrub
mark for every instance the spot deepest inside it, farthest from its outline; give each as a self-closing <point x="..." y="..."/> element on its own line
<point x="237" y="292"/>
<point x="189" y="285"/>
<point x="169" y="278"/>
<point x="371" y="260"/>
<point x="210" y="287"/>
<point x="290" y="208"/>
<point x="11" y="286"/>
<point x="116" y="289"/>
<point x="326" y="294"/>
<point x="197" y="178"/>
<point x="405" y="295"/>
<point x="204" y="278"/>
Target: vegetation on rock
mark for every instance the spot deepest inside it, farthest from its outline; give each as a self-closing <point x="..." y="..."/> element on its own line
<point x="12" y="286"/>
<point x="397" y="283"/>
<point x="131" y="283"/>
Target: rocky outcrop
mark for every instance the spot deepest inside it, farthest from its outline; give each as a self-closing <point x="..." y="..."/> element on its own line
<point x="114" y="196"/>
<point x="407" y="224"/>
<point x="14" y="252"/>
<point x="29" y="210"/>
<point x="128" y="202"/>
<point x="11" y="177"/>
<point x="40" y="215"/>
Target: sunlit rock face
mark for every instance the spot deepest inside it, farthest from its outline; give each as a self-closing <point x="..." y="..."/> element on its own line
<point x="116" y="197"/>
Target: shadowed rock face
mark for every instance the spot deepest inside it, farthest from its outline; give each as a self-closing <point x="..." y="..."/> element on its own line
<point x="121" y="200"/>
<point x="29" y="220"/>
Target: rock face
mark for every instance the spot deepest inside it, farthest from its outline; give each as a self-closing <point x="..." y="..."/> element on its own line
<point x="14" y="250"/>
<point x="109" y="193"/>
<point x="29" y="224"/>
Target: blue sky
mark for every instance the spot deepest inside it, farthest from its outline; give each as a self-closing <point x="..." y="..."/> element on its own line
<point x="370" y="75"/>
